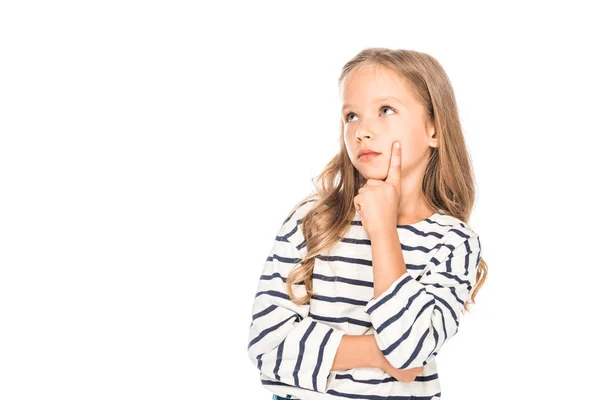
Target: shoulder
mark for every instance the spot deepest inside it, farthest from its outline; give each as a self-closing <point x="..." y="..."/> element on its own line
<point x="453" y="231"/>
<point x="290" y="229"/>
<point x="299" y="210"/>
<point x="454" y="239"/>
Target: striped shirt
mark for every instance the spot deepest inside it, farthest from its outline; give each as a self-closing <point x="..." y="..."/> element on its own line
<point x="294" y="346"/>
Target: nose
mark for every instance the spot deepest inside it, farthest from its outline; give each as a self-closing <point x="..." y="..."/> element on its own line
<point x="363" y="132"/>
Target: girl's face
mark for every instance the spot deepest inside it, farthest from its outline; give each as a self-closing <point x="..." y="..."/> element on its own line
<point x="378" y="109"/>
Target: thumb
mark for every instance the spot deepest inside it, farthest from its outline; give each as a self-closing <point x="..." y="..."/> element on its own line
<point x="393" y="176"/>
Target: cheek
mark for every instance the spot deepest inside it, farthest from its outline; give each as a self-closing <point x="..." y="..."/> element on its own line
<point x="350" y="147"/>
<point x="413" y="151"/>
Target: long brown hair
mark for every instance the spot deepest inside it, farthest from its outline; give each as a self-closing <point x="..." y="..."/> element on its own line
<point x="448" y="183"/>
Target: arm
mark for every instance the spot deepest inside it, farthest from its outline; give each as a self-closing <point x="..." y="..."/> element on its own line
<point x="358" y="351"/>
<point x="284" y="343"/>
<point x="414" y="317"/>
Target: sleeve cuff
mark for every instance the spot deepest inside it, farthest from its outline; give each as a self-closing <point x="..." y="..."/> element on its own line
<point x="329" y="354"/>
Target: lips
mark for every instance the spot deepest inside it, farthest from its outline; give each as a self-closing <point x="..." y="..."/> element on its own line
<point x="365" y="156"/>
<point x="364" y="150"/>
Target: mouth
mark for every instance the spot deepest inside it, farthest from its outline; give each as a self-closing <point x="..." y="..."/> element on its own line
<point x="368" y="156"/>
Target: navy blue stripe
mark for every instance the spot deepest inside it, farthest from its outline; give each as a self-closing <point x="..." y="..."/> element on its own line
<point x="297" y="208"/>
<point x="278" y="362"/>
<point x="320" y="357"/>
<point x="468" y="258"/>
<point x="362" y="261"/>
<point x="311" y="327"/>
<point x="361" y="396"/>
<point x="424" y="378"/>
<point x="356" y="241"/>
<point x="368" y="397"/>
<point x="443" y="321"/>
<point x="405" y="247"/>
<point x="367" y="242"/>
<point x="286" y="237"/>
<point x="351" y="260"/>
<point x="274" y="383"/>
<point x="282" y="259"/>
<point x="423" y="248"/>
<point x="436" y="336"/>
<point x="351" y="281"/>
<point x="408" y="227"/>
<point x="356" y="282"/>
<point x="273" y="276"/>
<point x="273" y="293"/>
<point x="457" y="279"/>
<point x="439" y="223"/>
<point x="452" y="276"/>
<point x="429" y="220"/>
<point x="365" y="381"/>
<point x="444" y="302"/>
<point x="458" y="299"/>
<point x="339" y="299"/>
<point x="417" y="350"/>
<point x="427" y="378"/>
<point x="460" y="233"/>
<point x="341" y="319"/>
<point x="264" y="312"/>
<point x="421" y="233"/>
<point x="376" y="397"/>
<point x="389" y="295"/>
<point x="269" y="330"/>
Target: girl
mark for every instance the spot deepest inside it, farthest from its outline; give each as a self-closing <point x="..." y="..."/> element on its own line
<point x="368" y="277"/>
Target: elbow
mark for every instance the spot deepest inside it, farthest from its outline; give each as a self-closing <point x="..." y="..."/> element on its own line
<point x="255" y="350"/>
<point x="419" y="339"/>
<point x="411" y="351"/>
<point x="411" y="355"/>
<point x="255" y="359"/>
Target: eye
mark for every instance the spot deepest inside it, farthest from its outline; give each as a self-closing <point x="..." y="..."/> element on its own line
<point x="386" y="106"/>
<point x="382" y="107"/>
<point x="349" y="114"/>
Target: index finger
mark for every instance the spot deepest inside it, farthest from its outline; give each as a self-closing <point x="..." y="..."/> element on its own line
<point x="395" y="163"/>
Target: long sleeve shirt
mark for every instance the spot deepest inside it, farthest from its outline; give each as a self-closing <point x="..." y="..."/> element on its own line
<point x="293" y="346"/>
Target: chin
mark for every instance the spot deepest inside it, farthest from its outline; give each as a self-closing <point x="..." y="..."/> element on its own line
<point x="372" y="175"/>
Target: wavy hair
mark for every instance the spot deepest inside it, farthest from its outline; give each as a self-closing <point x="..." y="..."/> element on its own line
<point x="448" y="183"/>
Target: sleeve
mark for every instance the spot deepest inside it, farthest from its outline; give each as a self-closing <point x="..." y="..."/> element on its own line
<point x="414" y="317"/>
<point x="284" y="343"/>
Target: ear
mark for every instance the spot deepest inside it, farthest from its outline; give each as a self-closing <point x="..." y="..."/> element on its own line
<point x="432" y="137"/>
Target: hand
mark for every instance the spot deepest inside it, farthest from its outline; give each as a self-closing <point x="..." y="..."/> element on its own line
<point x="377" y="201"/>
<point x="403" y="375"/>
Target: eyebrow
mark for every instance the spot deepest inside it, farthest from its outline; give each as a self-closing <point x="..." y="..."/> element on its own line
<point x="377" y="100"/>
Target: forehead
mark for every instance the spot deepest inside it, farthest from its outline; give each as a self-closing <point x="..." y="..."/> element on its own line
<point x="373" y="83"/>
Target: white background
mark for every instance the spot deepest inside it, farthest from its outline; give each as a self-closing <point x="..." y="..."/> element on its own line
<point x="150" y="150"/>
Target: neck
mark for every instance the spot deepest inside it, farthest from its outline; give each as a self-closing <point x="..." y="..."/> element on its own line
<point x="413" y="207"/>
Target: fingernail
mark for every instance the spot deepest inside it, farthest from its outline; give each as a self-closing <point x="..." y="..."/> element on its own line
<point x="397" y="145"/>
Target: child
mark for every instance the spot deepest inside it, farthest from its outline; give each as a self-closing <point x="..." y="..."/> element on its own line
<point x="368" y="277"/>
